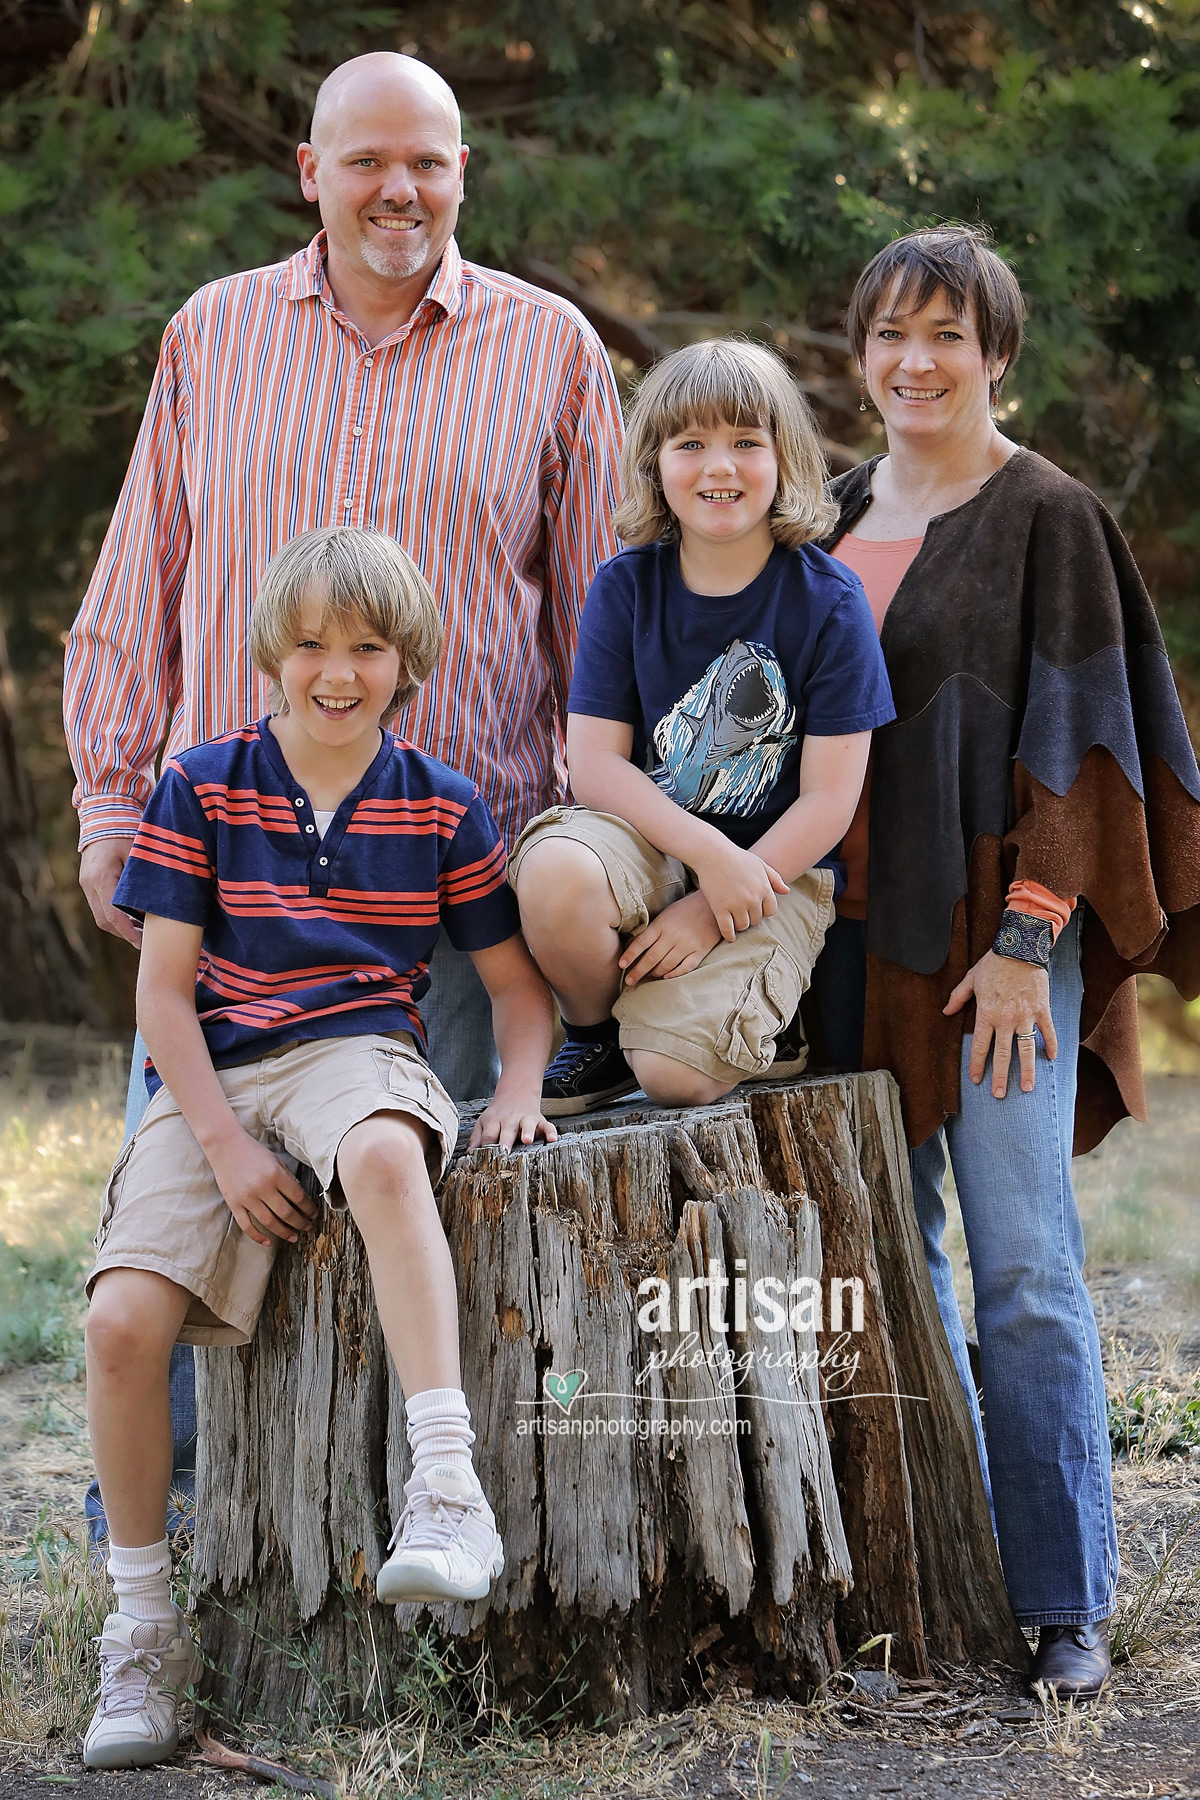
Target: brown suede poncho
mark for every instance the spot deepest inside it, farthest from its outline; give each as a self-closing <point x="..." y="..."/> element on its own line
<point x="1038" y="734"/>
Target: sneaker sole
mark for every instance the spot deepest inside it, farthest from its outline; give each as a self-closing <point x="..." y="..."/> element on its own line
<point x="786" y="1071"/>
<point x="403" y="1586"/>
<point x="568" y="1106"/>
<point x="133" y="1753"/>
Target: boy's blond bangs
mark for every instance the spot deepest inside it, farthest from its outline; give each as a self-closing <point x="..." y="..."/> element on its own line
<point x="735" y="382"/>
<point x="356" y="575"/>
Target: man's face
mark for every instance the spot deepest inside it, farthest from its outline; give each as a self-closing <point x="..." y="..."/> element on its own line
<point x="387" y="173"/>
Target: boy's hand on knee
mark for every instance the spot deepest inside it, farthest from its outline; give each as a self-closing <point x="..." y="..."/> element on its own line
<point x="673" y="943"/>
<point x="738" y="885"/>
<point x="504" y="1120"/>
<point x="263" y="1197"/>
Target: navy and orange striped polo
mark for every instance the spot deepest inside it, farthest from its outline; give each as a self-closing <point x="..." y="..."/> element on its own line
<point x="311" y="936"/>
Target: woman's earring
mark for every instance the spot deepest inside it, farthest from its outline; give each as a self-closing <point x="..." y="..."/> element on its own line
<point x="862" y="397"/>
<point x="994" y="398"/>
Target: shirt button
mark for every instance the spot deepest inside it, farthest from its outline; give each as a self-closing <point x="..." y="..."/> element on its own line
<point x="299" y="803"/>
<point x="357" y="432"/>
<point x="324" y="861"/>
<point x="310" y="828"/>
<point x="346" y="505"/>
<point x="369" y="363"/>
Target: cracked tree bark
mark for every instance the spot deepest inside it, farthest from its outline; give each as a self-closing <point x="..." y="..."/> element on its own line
<point x="711" y="1496"/>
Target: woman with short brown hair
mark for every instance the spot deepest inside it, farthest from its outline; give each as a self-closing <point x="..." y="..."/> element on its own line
<point x="1034" y="818"/>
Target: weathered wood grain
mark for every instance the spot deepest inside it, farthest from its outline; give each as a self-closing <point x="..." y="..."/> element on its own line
<point x="684" y="1511"/>
<point x="964" y="1605"/>
<point x="808" y="1142"/>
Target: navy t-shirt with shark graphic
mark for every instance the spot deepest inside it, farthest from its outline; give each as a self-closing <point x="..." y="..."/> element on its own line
<point x="721" y="689"/>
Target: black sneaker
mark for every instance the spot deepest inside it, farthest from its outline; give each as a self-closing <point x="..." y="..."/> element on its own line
<point x="585" y="1074"/>
<point x="791" y="1053"/>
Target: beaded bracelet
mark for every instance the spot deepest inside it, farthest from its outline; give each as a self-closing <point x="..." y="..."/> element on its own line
<point x="1024" y="938"/>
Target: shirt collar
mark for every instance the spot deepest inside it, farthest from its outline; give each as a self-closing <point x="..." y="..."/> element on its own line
<point x="305" y="277"/>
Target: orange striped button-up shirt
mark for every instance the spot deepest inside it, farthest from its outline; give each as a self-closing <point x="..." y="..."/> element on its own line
<point x="483" y="436"/>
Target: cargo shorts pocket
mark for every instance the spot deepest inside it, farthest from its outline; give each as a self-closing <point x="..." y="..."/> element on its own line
<point x="407" y="1076"/>
<point x="765" y="1005"/>
<point x="109" y="1205"/>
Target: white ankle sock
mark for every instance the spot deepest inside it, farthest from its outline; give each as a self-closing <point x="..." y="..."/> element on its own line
<point x="439" y="1431"/>
<point x="142" y="1579"/>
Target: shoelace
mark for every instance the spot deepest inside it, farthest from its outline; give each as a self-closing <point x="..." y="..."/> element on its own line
<point x="432" y="1516"/>
<point x="125" y="1679"/>
<point x="575" y="1055"/>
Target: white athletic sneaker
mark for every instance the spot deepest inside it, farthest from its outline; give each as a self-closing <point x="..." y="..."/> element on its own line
<point x="144" y="1670"/>
<point x="447" y="1545"/>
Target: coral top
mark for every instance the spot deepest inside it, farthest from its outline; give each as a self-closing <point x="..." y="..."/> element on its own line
<point x="881" y="567"/>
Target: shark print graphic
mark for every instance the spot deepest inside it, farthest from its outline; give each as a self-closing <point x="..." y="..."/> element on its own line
<point x="721" y="747"/>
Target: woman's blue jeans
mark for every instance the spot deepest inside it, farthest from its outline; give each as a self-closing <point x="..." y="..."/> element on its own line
<point x="1046" y="1447"/>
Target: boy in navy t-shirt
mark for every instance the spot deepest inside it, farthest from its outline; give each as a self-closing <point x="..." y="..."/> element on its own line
<point x="726" y="685"/>
<point x="292" y="878"/>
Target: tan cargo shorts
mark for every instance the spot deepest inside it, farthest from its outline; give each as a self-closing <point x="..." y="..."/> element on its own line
<point x="164" y="1211"/>
<point x="724" y="1016"/>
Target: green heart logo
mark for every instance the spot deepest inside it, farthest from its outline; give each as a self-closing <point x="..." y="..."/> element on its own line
<point x="564" y="1389"/>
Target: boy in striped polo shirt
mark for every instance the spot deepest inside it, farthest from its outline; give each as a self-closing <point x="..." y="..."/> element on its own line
<point x="293" y="877"/>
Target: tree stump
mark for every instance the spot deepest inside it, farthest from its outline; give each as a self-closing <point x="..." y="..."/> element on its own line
<point x="716" y="1416"/>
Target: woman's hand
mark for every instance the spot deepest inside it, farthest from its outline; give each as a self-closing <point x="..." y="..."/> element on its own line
<point x="674" y="942"/>
<point x="739" y="886"/>
<point x="1012" y="999"/>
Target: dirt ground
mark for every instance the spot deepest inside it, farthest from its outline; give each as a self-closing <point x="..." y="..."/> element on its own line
<point x="970" y="1733"/>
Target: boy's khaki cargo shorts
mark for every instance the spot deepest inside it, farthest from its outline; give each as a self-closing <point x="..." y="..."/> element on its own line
<point x="723" y="1016"/>
<point x="163" y="1210"/>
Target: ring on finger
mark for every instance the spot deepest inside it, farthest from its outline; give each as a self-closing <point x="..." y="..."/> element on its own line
<point x="1026" y="1037"/>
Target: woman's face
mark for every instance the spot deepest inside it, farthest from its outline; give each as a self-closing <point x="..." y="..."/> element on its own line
<point x="926" y="373"/>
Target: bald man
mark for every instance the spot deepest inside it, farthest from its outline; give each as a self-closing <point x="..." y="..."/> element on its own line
<point x="373" y="379"/>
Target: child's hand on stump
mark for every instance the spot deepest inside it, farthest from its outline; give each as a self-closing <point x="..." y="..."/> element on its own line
<point x="508" y="1118"/>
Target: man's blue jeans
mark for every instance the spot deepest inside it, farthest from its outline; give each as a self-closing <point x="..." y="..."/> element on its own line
<point x="457" y="1015"/>
<point x="1047" y="1448"/>
<point x="458" y="1019"/>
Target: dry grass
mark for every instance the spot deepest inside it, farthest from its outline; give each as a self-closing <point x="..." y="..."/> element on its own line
<point x="54" y="1161"/>
<point x="446" y="1733"/>
<point x="53" y="1606"/>
<point x="1064" y="1726"/>
<point x="1139" y="1200"/>
<point x="1162" y="1610"/>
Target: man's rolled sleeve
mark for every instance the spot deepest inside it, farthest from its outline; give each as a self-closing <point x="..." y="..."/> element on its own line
<point x="578" y="511"/>
<point x="122" y="676"/>
<point x="171" y="869"/>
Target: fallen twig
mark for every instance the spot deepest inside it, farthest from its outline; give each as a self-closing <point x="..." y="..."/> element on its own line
<point x="222" y="1757"/>
<point x="925" y="1716"/>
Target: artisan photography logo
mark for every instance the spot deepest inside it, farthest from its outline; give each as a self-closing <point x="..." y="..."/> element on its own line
<point x="713" y="1340"/>
<point x="564" y="1390"/>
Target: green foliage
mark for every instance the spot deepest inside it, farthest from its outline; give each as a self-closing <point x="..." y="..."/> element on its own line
<point x="729" y="163"/>
<point x="1148" y="1420"/>
<point x="41" y="1306"/>
<point x="118" y="199"/>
